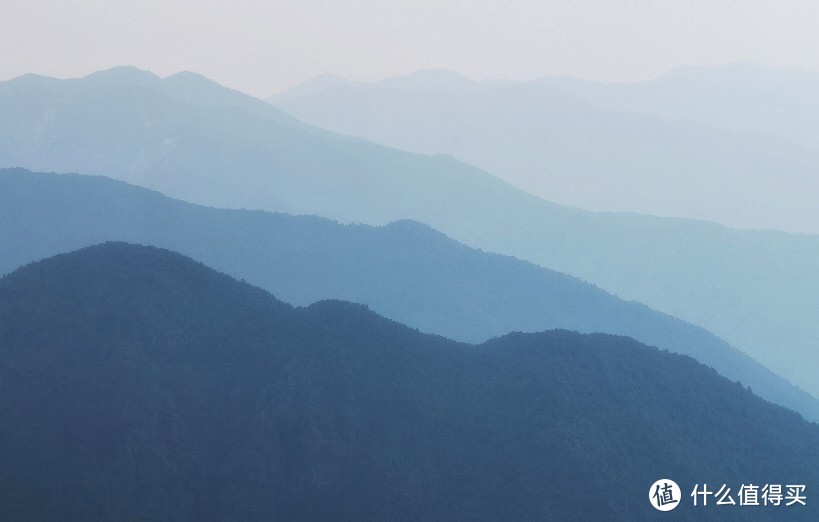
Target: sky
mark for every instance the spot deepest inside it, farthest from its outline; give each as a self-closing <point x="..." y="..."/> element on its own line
<point x="264" y="46"/>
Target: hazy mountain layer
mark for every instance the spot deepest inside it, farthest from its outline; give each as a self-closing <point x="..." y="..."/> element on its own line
<point x="405" y="271"/>
<point x="140" y="385"/>
<point x="605" y="147"/>
<point x="203" y="143"/>
<point x="743" y="98"/>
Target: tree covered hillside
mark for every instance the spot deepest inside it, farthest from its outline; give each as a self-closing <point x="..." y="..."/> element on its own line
<point x="137" y="384"/>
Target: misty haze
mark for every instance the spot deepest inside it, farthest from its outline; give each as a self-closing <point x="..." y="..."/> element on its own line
<point x="395" y="260"/>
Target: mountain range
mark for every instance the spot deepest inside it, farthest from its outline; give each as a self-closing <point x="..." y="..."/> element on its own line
<point x="194" y="140"/>
<point x="702" y="143"/>
<point x="742" y="97"/>
<point x="404" y="271"/>
<point x="138" y="384"/>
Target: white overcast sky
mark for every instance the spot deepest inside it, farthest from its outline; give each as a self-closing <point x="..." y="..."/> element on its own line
<point x="263" y="46"/>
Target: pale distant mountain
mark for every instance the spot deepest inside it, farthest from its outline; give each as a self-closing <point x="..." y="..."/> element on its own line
<point x="742" y="97"/>
<point x="312" y="86"/>
<point x="405" y="271"/>
<point x="705" y="144"/>
<point x="193" y="139"/>
<point x="426" y="80"/>
<point x="757" y="290"/>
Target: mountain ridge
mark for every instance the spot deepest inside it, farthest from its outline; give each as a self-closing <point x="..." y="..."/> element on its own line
<point x="406" y="270"/>
<point x="229" y="157"/>
<point x="176" y="393"/>
<point x="536" y="135"/>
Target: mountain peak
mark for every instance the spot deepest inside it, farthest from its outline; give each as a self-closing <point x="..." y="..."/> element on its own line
<point x="311" y="87"/>
<point x="195" y="88"/>
<point x="424" y="79"/>
<point x="124" y="74"/>
<point x="410" y="228"/>
<point x="186" y="86"/>
<point x="190" y="78"/>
